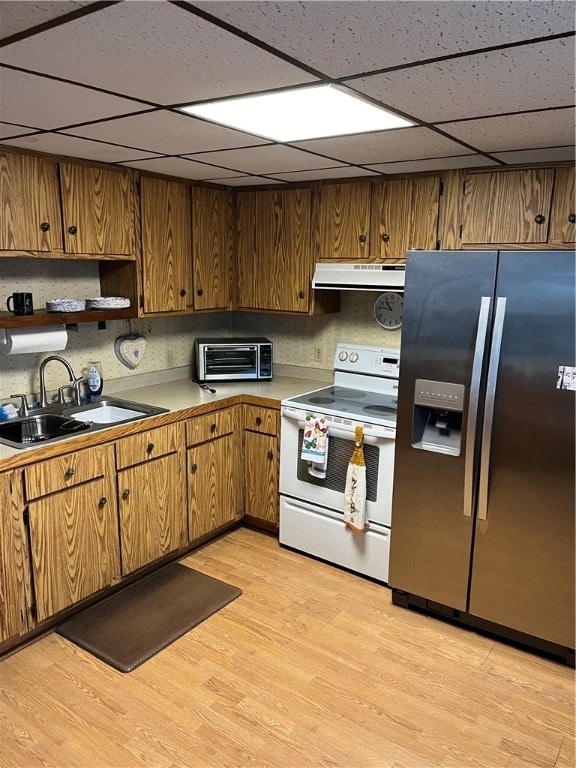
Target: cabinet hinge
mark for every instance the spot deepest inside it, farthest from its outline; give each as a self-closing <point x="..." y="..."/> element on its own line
<point x="138" y="188"/>
<point x="437" y="245"/>
<point x="464" y="186"/>
<point x="26" y="516"/>
<point x="33" y="611"/>
<point x="441" y="188"/>
<point x="141" y="301"/>
<point x="461" y="225"/>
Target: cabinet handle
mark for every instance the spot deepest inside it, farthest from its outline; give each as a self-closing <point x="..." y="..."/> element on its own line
<point x="126" y="493"/>
<point x="540" y="219"/>
<point x="103" y="501"/>
<point x="194" y="467"/>
<point x="362" y="238"/>
<point x="183" y="292"/>
<point x="385" y="238"/>
<point x="258" y="420"/>
<point x="45" y="226"/>
<point x="301" y="295"/>
<point x="72" y="230"/>
<point x="69" y="472"/>
<point x="150" y="447"/>
<point x="199" y="291"/>
<point x="270" y="455"/>
<point x="572" y="218"/>
<point x="213" y="427"/>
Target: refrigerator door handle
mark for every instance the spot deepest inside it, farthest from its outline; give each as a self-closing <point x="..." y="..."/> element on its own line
<point x="479" y="350"/>
<point x="489" y="407"/>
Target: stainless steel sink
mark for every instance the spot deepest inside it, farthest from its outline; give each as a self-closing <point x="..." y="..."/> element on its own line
<point x="57" y="422"/>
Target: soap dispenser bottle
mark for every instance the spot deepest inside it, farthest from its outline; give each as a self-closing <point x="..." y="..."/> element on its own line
<point x="95" y="379"/>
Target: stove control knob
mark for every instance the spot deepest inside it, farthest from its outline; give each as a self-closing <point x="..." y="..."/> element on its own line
<point x="353" y="357"/>
<point x="343" y="356"/>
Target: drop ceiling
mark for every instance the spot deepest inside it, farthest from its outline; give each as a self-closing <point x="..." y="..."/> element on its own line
<point x="485" y="83"/>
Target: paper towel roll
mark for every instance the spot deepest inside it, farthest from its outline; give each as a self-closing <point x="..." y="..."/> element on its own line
<point x="18" y="341"/>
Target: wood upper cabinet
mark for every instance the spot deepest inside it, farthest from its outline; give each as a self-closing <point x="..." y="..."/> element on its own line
<point x="73" y="529"/>
<point x="563" y="214"/>
<point x="166" y="245"/>
<point x="507" y="207"/>
<point x="274" y="252"/>
<point x="30" y="204"/>
<point x="14" y="562"/>
<point x="214" y="470"/>
<point x="404" y="215"/>
<point x="211" y="248"/>
<point x="341" y="215"/>
<point x="97" y="211"/>
<point x="151" y="496"/>
<point x="261" y="463"/>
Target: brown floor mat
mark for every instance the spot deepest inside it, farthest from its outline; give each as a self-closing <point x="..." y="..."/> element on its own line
<point x="128" y="628"/>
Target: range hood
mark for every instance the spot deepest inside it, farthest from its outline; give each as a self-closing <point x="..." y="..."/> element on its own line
<point x="359" y="277"/>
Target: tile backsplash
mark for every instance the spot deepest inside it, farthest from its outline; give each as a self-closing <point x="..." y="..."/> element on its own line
<point x="297" y="340"/>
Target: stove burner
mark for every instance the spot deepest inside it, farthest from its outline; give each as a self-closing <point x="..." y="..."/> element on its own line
<point x="377" y="409"/>
<point x="347" y="394"/>
<point x="321" y="400"/>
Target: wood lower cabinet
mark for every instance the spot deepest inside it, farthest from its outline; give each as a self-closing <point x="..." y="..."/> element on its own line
<point x="211" y="248"/>
<point x="151" y="496"/>
<point x="341" y="215"/>
<point x="261" y="463"/>
<point x="14" y="559"/>
<point x="166" y="245"/>
<point x="214" y="471"/>
<point x="73" y="528"/>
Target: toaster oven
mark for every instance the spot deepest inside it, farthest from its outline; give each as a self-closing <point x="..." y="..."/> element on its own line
<point x="245" y="359"/>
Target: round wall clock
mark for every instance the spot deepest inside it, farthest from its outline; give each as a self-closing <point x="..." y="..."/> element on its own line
<point x="388" y="310"/>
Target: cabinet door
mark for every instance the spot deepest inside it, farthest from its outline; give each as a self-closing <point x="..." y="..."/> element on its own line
<point x="563" y="214"/>
<point x="274" y="255"/>
<point x="14" y="563"/>
<point x="211" y="247"/>
<point x="98" y="210"/>
<point x="261" y="476"/>
<point x="152" y="511"/>
<point x="30" y="205"/>
<point x="507" y="207"/>
<point x="341" y="222"/>
<point x="74" y="540"/>
<point x="166" y="244"/>
<point x="404" y="216"/>
<point x="214" y="484"/>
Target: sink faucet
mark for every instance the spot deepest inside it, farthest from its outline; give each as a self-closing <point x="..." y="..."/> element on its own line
<point x="74" y="382"/>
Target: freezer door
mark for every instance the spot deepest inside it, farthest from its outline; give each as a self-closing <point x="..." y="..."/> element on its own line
<point x="448" y="300"/>
<point x="523" y="561"/>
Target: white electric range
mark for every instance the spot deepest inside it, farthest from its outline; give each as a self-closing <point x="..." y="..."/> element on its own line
<point x="364" y="393"/>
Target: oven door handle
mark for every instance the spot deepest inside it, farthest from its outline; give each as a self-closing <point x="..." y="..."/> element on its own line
<point x="346" y="434"/>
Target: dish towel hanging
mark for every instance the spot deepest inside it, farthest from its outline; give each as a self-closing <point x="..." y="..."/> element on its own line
<point x="315" y="445"/>
<point x="355" y="489"/>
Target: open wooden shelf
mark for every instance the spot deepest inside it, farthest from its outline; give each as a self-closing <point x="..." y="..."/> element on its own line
<point x="8" y="320"/>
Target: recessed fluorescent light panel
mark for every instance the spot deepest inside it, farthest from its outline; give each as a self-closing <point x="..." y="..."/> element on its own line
<point x="303" y="113"/>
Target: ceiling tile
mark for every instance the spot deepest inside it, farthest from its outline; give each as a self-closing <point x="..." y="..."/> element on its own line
<point x="177" y="166"/>
<point x="547" y="155"/>
<point x="16" y="16"/>
<point x="168" y="133"/>
<point x="345" y="38"/>
<point x="153" y="51"/>
<point x="246" y="181"/>
<point x="58" y="144"/>
<point x="50" y="104"/>
<point x="517" y="79"/>
<point x="435" y="164"/>
<point x="385" y="146"/>
<point x="270" y="159"/>
<point x="7" y="130"/>
<point x="339" y="172"/>
<point x="552" y="128"/>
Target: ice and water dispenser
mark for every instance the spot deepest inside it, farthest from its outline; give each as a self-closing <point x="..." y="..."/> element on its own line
<point x="437" y="420"/>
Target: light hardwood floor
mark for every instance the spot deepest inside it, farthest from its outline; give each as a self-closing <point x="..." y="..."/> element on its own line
<point x="311" y="666"/>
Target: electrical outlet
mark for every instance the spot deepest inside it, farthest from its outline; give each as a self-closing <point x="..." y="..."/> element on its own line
<point x="317" y="354"/>
<point x="170" y="359"/>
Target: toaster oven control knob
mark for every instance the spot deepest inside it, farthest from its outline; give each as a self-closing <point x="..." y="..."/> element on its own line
<point x="353" y="357"/>
<point x="343" y="356"/>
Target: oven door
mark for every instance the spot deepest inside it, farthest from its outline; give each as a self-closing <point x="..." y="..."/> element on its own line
<point x="297" y="482"/>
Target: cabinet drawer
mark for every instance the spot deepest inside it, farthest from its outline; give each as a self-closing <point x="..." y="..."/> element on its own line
<point x="148" y="445"/>
<point x="259" y="419"/>
<point x="66" y="471"/>
<point x="211" y="425"/>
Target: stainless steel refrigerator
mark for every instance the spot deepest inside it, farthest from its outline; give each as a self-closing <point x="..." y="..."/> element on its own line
<point x="483" y="504"/>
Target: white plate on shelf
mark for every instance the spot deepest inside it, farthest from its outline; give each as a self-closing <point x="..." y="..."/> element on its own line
<point x="66" y="305"/>
<point x="108" y="302"/>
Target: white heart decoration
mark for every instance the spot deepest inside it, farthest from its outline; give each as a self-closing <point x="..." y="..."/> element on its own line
<point x="130" y="350"/>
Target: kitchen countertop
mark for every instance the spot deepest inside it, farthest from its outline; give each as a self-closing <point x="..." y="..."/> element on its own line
<point x="175" y="396"/>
